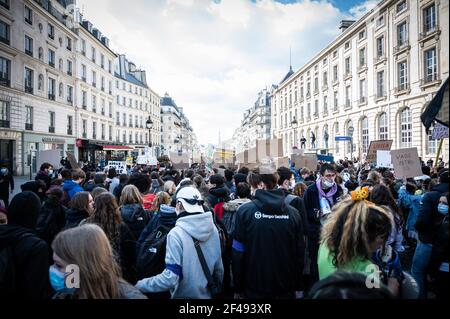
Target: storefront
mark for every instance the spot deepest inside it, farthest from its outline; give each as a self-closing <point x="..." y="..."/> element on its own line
<point x="100" y="152"/>
<point x="34" y="143"/>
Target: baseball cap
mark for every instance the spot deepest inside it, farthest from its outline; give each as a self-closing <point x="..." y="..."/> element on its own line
<point x="191" y="199"/>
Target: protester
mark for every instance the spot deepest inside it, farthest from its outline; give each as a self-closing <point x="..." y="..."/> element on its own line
<point x="73" y="186"/>
<point x="99" y="181"/>
<point x="44" y="174"/>
<point x="113" y="181"/>
<point x="99" y="274"/>
<point x="97" y="192"/>
<point x="218" y="192"/>
<point x="157" y="184"/>
<point x="81" y="207"/>
<point x="258" y="234"/>
<point x="132" y="210"/>
<point x="25" y="274"/>
<point x="123" y="181"/>
<point x="142" y="182"/>
<point x="6" y="181"/>
<point x="38" y="187"/>
<point x="299" y="189"/>
<point x="184" y="276"/>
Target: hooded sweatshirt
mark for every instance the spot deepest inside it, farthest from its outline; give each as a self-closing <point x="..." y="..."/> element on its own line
<point x="183" y="275"/>
<point x="72" y="188"/>
<point x="135" y="217"/>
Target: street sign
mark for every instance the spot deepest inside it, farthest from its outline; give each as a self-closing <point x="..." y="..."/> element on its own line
<point x="325" y="158"/>
<point x="343" y="138"/>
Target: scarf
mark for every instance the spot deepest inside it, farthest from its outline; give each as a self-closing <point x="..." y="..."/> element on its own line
<point x="329" y="195"/>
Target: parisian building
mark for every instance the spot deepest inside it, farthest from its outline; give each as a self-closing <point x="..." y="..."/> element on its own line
<point x="372" y="83"/>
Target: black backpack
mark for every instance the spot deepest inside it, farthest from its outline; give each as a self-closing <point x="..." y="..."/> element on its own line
<point x="152" y="253"/>
<point x="50" y="222"/>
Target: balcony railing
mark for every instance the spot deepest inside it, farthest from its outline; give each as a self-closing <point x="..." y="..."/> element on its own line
<point x="4" y="123"/>
<point x="69" y="100"/>
<point x="5" y="40"/>
<point x="51" y="63"/>
<point x="381" y="95"/>
<point x="51" y="96"/>
<point x="401" y="47"/>
<point x="69" y="131"/>
<point x="84" y="106"/>
<point x="84" y="135"/>
<point x="401" y="88"/>
<point x="29" y="21"/>
<point x="51" y="129"/>
<point x="426" y="33"/>
<point x="429" y="79"/>
<point x="28" y="126"/>
<point x="29" y="89"/>
<point x="362" y="100"/>
<point x="69" y="73"/>
<point x="51" y="36"/>
<point x="5" y="82"/>
<point x="5" y="5"/>
<point x="28" y="52"/>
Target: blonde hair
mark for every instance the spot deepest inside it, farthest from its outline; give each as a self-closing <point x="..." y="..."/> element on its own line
<point x="169" y="187"/>
<point x="96" y="192"/>
<point x="161" y="198"/>
<point x="88" y="247"/>
<point x="352" y="228"/>
<point x="130" y="195"/>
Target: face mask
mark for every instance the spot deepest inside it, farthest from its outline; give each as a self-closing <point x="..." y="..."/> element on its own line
<point x="443" y="209"/>
<point x="57" y="280"/>
<point x="50" y="172"/>
<point x="328" y="184"/>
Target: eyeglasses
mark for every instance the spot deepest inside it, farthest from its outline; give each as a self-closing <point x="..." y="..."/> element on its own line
<point x="330" y="175"/>
<point x="193" y="201"/>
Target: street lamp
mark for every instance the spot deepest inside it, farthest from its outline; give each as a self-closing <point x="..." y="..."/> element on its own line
<point x="149" y="126"/>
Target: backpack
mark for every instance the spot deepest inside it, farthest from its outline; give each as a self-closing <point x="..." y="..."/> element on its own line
<point x="218" y="209"/>
<point x="152" y="253"/>
<point x="50" y="222"/>
<point x="137" y="221"/>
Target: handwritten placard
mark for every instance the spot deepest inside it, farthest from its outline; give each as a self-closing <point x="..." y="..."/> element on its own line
<point x="406" y="162"/>
<point x="382" y="145"/>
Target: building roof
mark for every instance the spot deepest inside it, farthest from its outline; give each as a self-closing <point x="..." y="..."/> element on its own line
<point x="288" y="75"/>
<point x="130" y="78"/>
<point x="166" y="100"/>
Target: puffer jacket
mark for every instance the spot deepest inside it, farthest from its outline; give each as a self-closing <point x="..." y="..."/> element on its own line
<point x="229" y="210"/>
<point x="136" y="218"/>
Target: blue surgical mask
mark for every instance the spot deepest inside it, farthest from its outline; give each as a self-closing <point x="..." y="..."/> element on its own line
<point x="443" y="209"/>
<point x="57" y="280"/>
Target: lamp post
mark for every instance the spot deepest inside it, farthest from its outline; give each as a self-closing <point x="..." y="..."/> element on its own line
<point x="351" y="130"/>
<point x="149" y="126"/>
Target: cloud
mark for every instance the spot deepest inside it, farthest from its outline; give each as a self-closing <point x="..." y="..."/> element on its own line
<point x="213" y="57"/>
<point x="359" y="10"/>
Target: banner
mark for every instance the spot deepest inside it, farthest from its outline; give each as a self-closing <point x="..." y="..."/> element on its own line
<point x="439" y="132"/>
<point x="382" y="145"/>
<point x="309" y="161"/>
<point x="120" y="166"/>
<point x="384" y="159"/>
<point x="406" y="162"/>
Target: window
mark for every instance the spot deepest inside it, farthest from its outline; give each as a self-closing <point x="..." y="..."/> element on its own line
<point x="28" y="45"/>
<point x="429" y="19"/>
<point x="103" y="131"/>
<point x="347" y="45"/>
<point x="347" y="96"/>
<point x="102" y="83"/>
<point x="362" y="57"/>
<point x="117" y="118"/>
<point x="431" y="144"/>
<point x="336" y="101"/>
<point x="69" y="43"/>
<point x="325" y="78"/>
<point x="362" y="91"/>
<point x="124" y="116"/>
<point x="84" y="125"/>
<point x="316" y="84"/>
<point x="69" y="124"/>
<point x="29" y="79"/>
<point x="380" y="47"/>
<point x="28" y="118"/>
<point x="405" y="128"/>
<point x="84" y="99"/>
<point x="41" y="54"/>
<point x="94" y="130"/>
<point x="103" y="107"/>
<point x="93" y="54"/>
<point x="365" y="134"/>
<point x="117" y="84"/>
<point x="430" y="65"/>
<point x="69" y="67"/>
<point x="401" y="6"/>
<point x="94" y="79"/>
<point x="40" y="82"/>
<point x="83" y="73"/>
<point x="110" y="68"/>
<point x="336" y="133"/>
<point x="94" y="103"/>
<point x="5" y="72"/>
<point x="308" y="89"/>
<point x="325" y="105"/>
<point x="51" y="127"/>
<point x="347" y="66"/>
<point x="335" y="53"/>
<point x="308" y="111"/>
<point x="61" y="66"/>
<point x="4" y="3"/>
<point x="324" y="62"/>
<point x="51" y="58"/>
<point x="316" y="108"/>
<point x="51" y="89"/>
<point x="51" y="31"/>
<point x="361" y="34"/>
<point x="402" y="75"/>
<point x="380" y="21"/>
<point x="102" y="61"/>
<point x="69" y="94"/>
<point x="61" y="90"/>
<point x="83" y="47"/>
<point x="335" y="73"/>
<point x="382" y="127"/>
<point x="28" y="15"/>
<point x="110" y="132"/>
<point x="4" y="114"/>
<point x="402" y="34"/>
<point x="4" y="32"/>
<point x="380" y="84"/>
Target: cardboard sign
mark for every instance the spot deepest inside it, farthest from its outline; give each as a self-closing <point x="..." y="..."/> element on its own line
<point x="49" y="156"/>
<point x="309" y="161"/>
<point x="384" y="159"/>
<point x="406" y="162"/>
<point x="179" y="161"/>
<point x="147" y="160"/>
<point x="269" y="148"/>
<point x="242" y="158"/>
<point x="282" y="162"/>
<point x="439" y="132"/>
<point x="72" y="160"/>
<point x="253" y="155"/>
<point x="383" y="145"/>
<point x="120" y="166"/>
<point x="267" y="166"/>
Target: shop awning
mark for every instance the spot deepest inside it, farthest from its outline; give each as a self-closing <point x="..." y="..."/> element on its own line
<point x="116" y="148"/>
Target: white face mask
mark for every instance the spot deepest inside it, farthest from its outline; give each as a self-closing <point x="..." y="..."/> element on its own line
<point x="328" y="184"/>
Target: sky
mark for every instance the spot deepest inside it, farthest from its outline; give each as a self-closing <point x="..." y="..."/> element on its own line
<point x="214" y="56"/>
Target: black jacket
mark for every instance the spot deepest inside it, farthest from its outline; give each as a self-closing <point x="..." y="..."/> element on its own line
<point x="30" y="261"/>
<point x="428" y="221"/>
<point x="44" y="177"/>
<point x="5" y="182"/>
<point x="299" y="205"/>
<point x="218" y="195"/>
<point x="128" y="254"/>
<point x="51" y="220"/>
<point x="74" y="217"/>
<point x="440" y="251"/>
<point x="268" y="247"/>
<point x="136" y="218"/>
<point x="312" y="203"/>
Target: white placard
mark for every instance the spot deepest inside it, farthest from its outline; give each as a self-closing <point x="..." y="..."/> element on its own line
<point x="384" y="159"/>
<point x="120" y="166"/>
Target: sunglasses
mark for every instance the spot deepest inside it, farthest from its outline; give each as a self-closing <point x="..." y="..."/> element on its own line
<point x="193" y="201"/>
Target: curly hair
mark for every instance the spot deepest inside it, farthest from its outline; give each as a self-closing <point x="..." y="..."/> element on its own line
<point x="352" y="228"/>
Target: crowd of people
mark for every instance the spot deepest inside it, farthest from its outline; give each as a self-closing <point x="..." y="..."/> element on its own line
<point x="203" y="233"/>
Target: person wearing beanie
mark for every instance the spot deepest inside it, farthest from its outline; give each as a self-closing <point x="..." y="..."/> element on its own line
<point x="38" y="187"/>
<point x="28" y="257"/>
<point x="427" y="229"/>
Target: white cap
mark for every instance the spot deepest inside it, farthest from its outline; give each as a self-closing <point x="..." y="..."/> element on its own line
<point x="191" y="199"/>
<point x="422" y="178"/>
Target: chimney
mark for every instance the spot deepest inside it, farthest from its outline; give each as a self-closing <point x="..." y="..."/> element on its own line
<point x="345" y="24"/>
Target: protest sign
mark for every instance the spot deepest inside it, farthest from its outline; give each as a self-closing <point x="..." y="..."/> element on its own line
<point x="309" y="161"/>
<point x="384" y="159"/>
<point x="406" y="162"/>
<point x="49" y="156"/>
<point x="72" y="160"/>
<point x="179" y="160"/>
<point x="269" y="148"/>
<point x="242" y="158"/>
<point x="282" y="162"/>
<point x="382" y="145"/>
<point x="147" y="160"/>
<point x="120" y="166"/>
<point x="439" y="132"/>
<point x="252" y="155"/>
